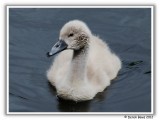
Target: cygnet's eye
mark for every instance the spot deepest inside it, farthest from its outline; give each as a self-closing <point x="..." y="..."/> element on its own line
<point x="70" y="35"/>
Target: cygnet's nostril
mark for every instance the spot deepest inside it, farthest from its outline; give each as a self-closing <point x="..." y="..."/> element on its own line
<point x="57" y="46"/>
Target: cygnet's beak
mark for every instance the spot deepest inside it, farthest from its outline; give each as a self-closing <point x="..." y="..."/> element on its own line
<point x="58" y="47"/>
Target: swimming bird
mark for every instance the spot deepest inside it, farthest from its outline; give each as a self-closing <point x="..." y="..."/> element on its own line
<point x="85" y="64"/>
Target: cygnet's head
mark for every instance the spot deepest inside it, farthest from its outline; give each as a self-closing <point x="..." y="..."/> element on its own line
<point x="73" y="35"/>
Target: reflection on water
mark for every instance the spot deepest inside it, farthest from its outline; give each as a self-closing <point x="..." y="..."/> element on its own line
<point x="71" y="106"/>
<point x="32" y="32"/>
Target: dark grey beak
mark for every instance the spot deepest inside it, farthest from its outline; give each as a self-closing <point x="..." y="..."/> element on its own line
<point x="58" y="47"/>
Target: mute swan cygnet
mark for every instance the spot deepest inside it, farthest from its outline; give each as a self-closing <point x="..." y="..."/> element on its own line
<point x="85" y="64"/>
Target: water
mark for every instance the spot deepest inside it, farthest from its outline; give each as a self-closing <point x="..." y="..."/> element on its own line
<point x="32" y="32"/>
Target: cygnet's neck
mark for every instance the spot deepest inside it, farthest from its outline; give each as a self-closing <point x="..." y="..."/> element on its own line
<point x="78" y="64"/>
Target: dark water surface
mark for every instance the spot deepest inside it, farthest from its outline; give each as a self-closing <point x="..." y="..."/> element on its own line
<point x="32" y="32"/>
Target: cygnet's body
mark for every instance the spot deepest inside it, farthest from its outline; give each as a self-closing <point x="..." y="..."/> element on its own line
<point x="85" y="66"/>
